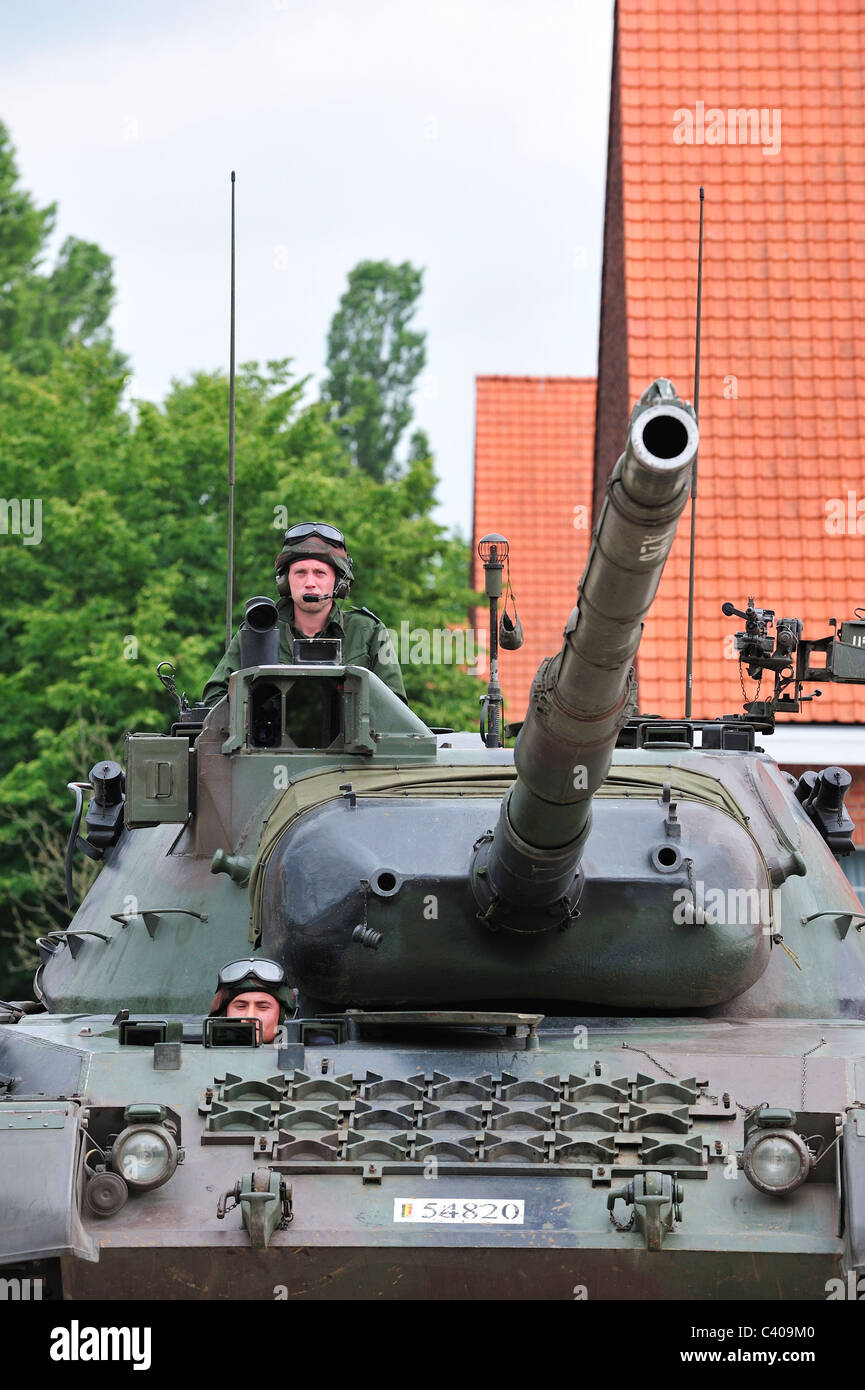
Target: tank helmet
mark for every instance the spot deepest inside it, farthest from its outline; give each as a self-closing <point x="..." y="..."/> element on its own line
<point x="249" y="976"/>
<point x="315" y="540"/>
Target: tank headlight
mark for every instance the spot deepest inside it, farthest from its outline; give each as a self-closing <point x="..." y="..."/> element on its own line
<point x="776" y="1161"/>
<point x="145" y="1156"/>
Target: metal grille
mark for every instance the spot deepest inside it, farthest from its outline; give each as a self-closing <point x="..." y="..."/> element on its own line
<point x="561" y="1120"/>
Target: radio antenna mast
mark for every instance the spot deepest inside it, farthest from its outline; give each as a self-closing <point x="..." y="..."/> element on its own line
<point x="689" y="668"/>
<point x="229" y="599"/>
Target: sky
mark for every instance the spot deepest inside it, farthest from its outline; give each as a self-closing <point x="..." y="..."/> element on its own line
<point x="466" y="136"/>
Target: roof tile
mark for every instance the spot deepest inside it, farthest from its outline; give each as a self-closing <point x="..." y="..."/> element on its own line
<point x="782" y="290"/>
<point x="783" y="286"/>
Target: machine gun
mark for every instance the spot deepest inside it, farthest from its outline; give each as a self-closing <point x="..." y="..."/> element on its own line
<point x="794" y="661"/>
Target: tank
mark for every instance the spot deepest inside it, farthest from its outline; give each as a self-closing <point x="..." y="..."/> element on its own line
<point x="585" y="1014"/>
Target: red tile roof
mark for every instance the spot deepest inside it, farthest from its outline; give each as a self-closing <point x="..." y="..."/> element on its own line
<point x="534" y="450"/>
<point x="783" y="349"/>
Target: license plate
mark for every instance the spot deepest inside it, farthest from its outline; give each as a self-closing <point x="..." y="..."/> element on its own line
<point x="459" y="1211"/>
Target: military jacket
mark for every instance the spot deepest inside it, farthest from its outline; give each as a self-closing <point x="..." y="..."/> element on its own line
<point x="365" y="642"/>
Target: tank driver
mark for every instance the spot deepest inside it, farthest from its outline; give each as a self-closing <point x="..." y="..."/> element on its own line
<point x="313" y="570"/>
<point x="253" y="989"/>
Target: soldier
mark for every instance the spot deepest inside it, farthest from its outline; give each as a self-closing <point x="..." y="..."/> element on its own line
<point x="313" y="569"/>
<point x="253" y="989"/>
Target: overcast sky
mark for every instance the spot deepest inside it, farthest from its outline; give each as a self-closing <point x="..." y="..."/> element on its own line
<point x="466" y="136"/>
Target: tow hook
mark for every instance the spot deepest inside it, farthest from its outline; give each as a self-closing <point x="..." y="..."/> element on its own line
<point x="264" y="1199"/>
<point x="656" y="1199"/>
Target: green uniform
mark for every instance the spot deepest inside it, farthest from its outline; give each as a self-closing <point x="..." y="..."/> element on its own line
<point x="365" y="642"/>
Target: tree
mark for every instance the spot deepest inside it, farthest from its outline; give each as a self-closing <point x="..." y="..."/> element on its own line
<point x="128" y="566"/>
<point x="64" y="439"/>
<point x="373" y="362"/>
<point x="41" y="313"/>
<point x="118" y="585"/>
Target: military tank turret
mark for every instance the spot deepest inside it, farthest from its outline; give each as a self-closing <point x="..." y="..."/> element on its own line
<point x="588" y="1013"/>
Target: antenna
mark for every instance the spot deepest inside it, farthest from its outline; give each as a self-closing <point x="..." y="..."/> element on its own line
<point x="229" y="598"/>
<point x="689" y="664"/>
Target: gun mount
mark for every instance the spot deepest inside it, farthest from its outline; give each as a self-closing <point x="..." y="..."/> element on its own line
<point x="840" y="657"/>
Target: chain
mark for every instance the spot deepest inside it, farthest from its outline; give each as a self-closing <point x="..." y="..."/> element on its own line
<point x="652" y="1059"/>
<point x="741" y="1105"/>
<point x="805" y="1056"/>
<point x="742" y="684"/>
<point x="629" y="1224"/>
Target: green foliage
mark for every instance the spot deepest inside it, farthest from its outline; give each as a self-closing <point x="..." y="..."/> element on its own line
<point x="40" y="313"/>
<point x="131" y="571"/>
<point x="64" y="437"/>
<point x="129" y="568"/>
<point x="373" y="361"/>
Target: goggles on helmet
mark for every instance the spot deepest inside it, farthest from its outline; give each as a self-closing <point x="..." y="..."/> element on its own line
<point x="267" y="972"/>
<point x="314" y="528"/>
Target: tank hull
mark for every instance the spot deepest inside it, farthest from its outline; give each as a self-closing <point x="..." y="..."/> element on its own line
<point x="668" y="1097"/>
<point x="531" y="1270"/>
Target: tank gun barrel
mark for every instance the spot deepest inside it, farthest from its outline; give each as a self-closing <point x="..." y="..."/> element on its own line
<point x="526" y="876"/>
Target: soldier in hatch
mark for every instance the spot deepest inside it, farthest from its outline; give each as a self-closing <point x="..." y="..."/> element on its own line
<point x="313" y="570"/>
<point x="253" y="988"/>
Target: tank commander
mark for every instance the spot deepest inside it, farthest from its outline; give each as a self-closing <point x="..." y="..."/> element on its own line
<point x="253" y="989"/>
<point x="313" y="570"/>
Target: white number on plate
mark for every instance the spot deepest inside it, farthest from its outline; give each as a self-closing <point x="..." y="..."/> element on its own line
<point x="459" y="1211"/>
